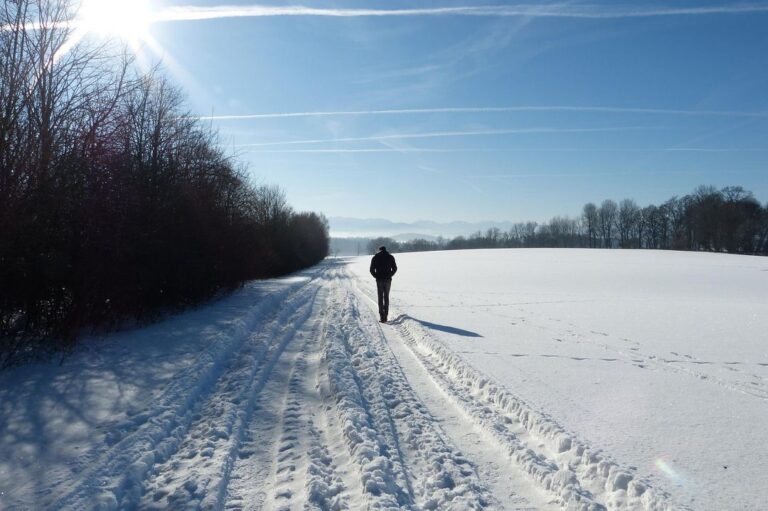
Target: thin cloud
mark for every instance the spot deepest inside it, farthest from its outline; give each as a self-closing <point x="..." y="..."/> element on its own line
<point x="514" y="150"/>
<point x="440" y="134"/>
<point x="713" y="150"/>
<point x="190" y="13"/>
<point x="595" y="11"/>
<point x="460" y="110"/>
<point x="640" y="173"/>
<point x="377" y="150"/>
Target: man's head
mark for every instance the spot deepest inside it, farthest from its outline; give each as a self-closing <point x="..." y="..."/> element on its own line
<point x="382" y="248"/>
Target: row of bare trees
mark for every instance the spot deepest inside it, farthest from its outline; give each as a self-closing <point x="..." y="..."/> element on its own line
<point x="727" y="220"/>
<point x="115" y="203"/>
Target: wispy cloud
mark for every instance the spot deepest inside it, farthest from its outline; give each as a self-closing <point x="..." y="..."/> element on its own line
<point x="460" y="110"/>
<point x="713" y="150"/>
<point x="181" y="13"/>
<point x="343" y="151"/>
<point x="448" y="64"/>
<point x="638" y="173"/>
<point x="594" y="11"/>
<point x="519" y="149"/>
<point x="441" y="134"/>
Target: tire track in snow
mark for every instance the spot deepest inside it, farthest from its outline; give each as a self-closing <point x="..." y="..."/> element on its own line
<point x="437" y="476"/>
<point x="252" y="480"/>
<point x="327" y="484"/>
<point x="304" y="473"/>
<point x="287" y="460"/>
<point x="198" y="470"/>
<point x="385" y="484"/>
<point x="330" y="432"/>
<point x="328" y="444"/>
<point x="290" y="447"/>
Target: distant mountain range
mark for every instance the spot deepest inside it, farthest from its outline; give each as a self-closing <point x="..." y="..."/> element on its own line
<point x="345" y="227"/>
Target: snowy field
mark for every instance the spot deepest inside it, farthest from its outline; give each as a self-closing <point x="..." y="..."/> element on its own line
<point x="506" y="379"/>
<point x="659" y="359"/>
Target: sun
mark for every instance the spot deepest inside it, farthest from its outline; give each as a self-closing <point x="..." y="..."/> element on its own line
<point x="126" y="19"/>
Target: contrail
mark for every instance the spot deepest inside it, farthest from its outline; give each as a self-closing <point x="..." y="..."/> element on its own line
<point x="440" y="134"/>
<point x="408" y="111"/>
<point x="188" y="13"/>
<point x="381" y="150"/>
<point x="593" y="11"/>
<point x="513" y="149"/>
<point x="376" y="150"/>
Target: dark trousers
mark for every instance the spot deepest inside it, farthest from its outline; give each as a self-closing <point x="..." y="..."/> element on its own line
<point x="382" y="288"/>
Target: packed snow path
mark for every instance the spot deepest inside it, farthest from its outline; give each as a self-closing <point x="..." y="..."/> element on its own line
<point x="290" y="395"/>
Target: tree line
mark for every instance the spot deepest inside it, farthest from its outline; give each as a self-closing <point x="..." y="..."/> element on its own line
<point x="726" y="220"/>
<point x="115" y="202"/>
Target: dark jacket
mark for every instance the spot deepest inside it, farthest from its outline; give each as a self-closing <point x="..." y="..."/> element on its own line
<point x="383" y="266"/>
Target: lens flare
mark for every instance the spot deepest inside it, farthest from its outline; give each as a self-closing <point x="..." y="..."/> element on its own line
<point x="668" y="471"/>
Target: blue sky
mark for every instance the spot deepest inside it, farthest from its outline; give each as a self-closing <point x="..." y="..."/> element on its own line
<point x="500" y="116"/>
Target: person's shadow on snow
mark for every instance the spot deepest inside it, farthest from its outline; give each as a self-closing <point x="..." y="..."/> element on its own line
<point x="434" y="326"/>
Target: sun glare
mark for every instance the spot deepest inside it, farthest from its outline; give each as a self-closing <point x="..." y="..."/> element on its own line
<point x="126" y="19"/>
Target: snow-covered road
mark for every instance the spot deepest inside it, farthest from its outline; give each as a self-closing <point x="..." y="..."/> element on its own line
<point x="290" y="395"/>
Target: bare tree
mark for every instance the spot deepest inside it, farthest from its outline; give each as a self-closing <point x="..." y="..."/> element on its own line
<point x="627" y="222"/>
<point x="607" y="220"/>
<point x="591" y="221"/>
<point x="651" y="234"/>
<point x="761" y="245"/>
<point x="493" y="235"/>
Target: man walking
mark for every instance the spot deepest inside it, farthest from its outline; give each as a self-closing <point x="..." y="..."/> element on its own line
<point x="383" y="267"/>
